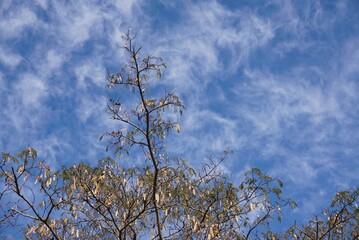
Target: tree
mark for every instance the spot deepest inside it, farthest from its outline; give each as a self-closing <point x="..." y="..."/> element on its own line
<point x="339" y="221"/>
<point x="165" y="198"/>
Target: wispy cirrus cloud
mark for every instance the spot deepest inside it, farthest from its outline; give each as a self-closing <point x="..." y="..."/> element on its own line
<point x="276" y="82"/>
<point x="77" y="23"/>
<point x="9" y="58"/>
<point x="203" y="52"/>
<point x="14" y="22"/>
<point x="209" y="32"/>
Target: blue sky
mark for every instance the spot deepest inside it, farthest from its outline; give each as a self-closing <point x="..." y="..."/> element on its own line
<point x="276" y="81"/>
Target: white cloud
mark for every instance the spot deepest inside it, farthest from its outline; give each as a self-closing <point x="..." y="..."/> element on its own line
<point x="47" y="62"/>
<point x="126" y="6"/>
<point x="54" y="60"/>
<point x="203" y="133"/>
<point x="91" y="71"/>
<point x="269" y="101"/>
<point x="194" y="50"/>
<point x="294" y="122"/>
<point x="76" y="22"/>
<point x="2" y="82"/>
<point x="349" y="60"/>
<point x="52" y="146"/>
<point x="12" y="25"/>
<point x="88" y="106"/>
<point x="9" y="58"/>
<point x="302" y="120"/>
<point x="42" y="3"/>
<point x="31" y="89"/>
<point x="252" y="33"/>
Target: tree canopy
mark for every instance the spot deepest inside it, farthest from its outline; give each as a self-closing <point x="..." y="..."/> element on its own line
<point x="165" y="197"/>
